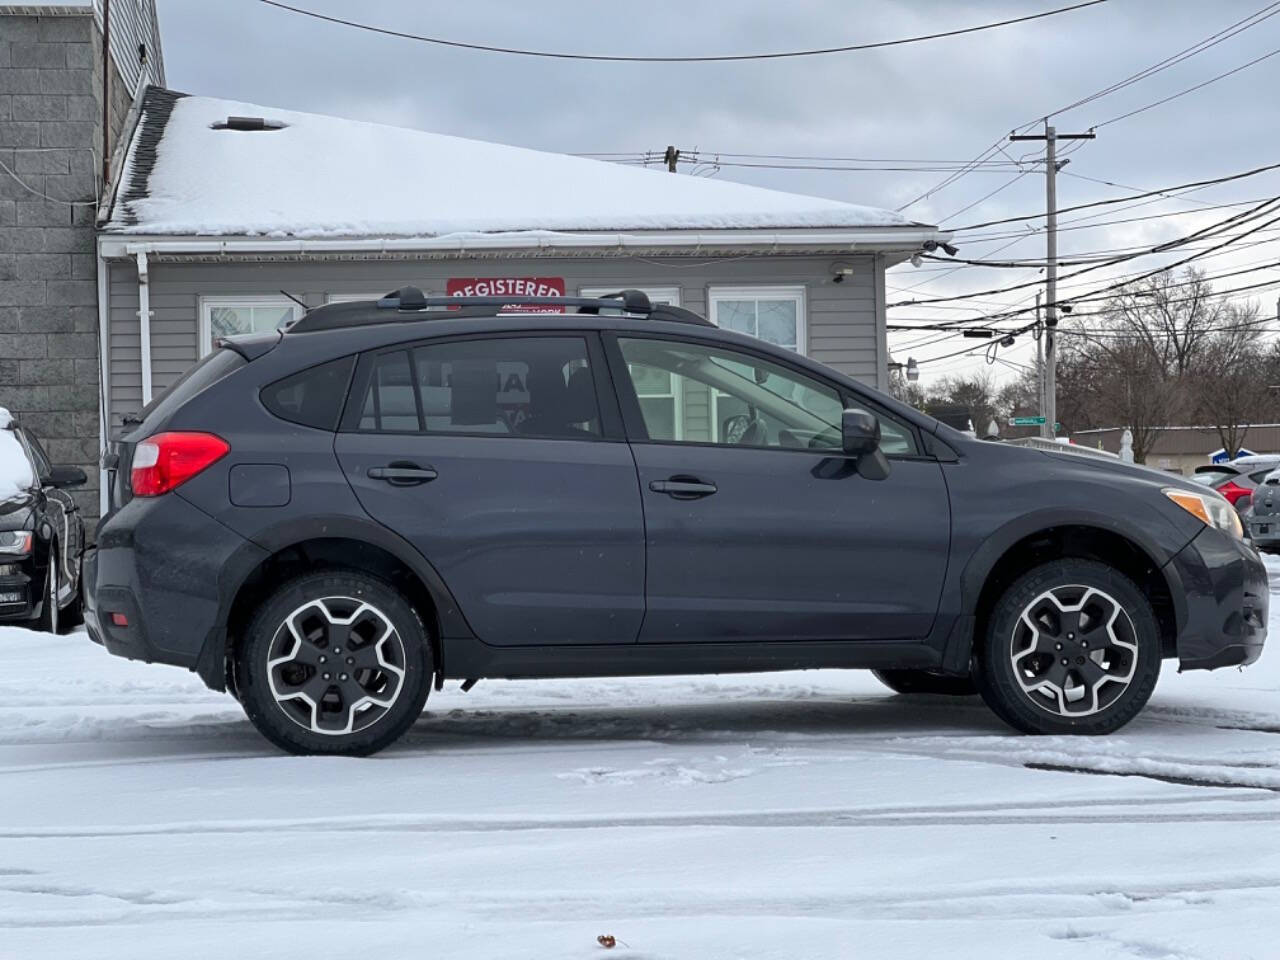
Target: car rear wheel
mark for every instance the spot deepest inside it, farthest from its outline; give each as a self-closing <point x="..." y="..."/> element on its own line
<point x="336" y="662"/>
<point x="925" y="681"/>
<point x="1072" y="646"/>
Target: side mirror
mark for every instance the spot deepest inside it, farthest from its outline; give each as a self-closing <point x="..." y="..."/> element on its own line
<point x="63" y="477"/>
<point x="733" y="429"/>
<point x="859" y="432"/>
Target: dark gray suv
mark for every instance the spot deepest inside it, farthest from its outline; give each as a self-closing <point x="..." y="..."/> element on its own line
<point x="389" y="494"/>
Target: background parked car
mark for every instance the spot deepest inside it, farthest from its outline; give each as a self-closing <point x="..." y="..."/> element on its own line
<point x="1239" y="477"/>
<point x="1263" y="519"/>
<point x="41" y="533"/>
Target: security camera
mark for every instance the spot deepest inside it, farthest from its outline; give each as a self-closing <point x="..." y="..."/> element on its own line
<point x="840" y="270"/>
<point x="838" y="278"/>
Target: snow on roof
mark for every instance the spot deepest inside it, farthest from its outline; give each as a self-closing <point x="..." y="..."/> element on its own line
<point x="321" y="176"/>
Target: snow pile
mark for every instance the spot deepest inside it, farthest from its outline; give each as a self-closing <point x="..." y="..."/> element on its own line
<point x="752" y="817"/>
<point x="324" y="176"/>
<point x="15" y="469"/>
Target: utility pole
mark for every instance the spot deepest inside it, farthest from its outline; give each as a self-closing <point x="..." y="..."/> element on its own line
<point x="672" y="155"/>
<point x="1051" y="167"/>
<point x="1045" y="428"/>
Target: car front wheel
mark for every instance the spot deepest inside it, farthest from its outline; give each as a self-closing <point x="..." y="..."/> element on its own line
<point x="336" y="662"/>
<point x="1072" y="646"/>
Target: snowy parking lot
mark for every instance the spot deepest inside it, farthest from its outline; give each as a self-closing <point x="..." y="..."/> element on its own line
<point x="787" y="815"/>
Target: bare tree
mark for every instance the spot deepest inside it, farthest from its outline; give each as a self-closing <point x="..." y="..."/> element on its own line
<point x="1228" y="376"/>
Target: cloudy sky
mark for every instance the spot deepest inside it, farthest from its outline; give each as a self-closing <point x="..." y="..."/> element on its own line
<point x="944" y="100"/>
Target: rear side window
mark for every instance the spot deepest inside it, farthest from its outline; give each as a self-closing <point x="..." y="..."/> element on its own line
<point x="517" y="386"/>
<point x="312" y="397"/>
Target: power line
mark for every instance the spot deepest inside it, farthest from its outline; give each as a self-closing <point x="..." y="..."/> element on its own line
<point x="1183" y="93"/>
<point x="1226" y="33"/>
<point x="1160" y="248"/>
<point x="1195" y="49"/>
<point x="1196" y="184"/>
<point x="718" y="58"/>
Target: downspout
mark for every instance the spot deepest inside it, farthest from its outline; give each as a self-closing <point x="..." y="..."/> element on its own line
<point x="104" y="378"/>
<point x="144" y="324"/>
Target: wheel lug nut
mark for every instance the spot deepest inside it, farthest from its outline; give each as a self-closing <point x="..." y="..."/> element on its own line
<point x="1065" y="661"/>
<point x="326" y="676"/>
<point x="342" y="676"/>
<point x="337" y="650"/>
<point x="324" y="659"/>
<point x="1057" y="646"/>
<point x="351" y="659"/>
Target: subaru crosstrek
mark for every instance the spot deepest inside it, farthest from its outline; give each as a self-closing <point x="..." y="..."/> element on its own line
<point x="330" y="520"/>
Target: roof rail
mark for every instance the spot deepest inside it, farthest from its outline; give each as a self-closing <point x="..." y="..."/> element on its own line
<point x="410" y="304"/>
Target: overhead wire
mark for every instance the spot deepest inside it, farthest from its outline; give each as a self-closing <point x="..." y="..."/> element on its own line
<point x="707" y="58"/>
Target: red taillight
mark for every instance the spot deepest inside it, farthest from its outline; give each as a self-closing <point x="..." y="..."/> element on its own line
<point x="167" y="460"/>
<point x="1233" y="491"/>
<point x="119" y="620"/>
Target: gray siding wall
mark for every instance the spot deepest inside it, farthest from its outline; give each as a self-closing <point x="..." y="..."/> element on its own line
<point x="50" y="137"/>
<point x="841" y="321"/>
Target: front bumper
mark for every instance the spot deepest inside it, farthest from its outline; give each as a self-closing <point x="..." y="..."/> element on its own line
<point x="158" y="588"/>
<point x="1223" y="621"/>
<point x="20" y="582"/>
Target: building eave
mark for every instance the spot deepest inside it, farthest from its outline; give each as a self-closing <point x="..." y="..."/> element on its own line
<point x="895" y="243"/>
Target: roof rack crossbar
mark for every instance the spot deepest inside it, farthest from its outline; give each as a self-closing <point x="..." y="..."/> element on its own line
<point x="411" y="304"/>
<point x="411" y="298"/>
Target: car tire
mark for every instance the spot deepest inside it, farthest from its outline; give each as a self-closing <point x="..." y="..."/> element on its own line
<point x="1071" y="647"/>
<point x="334" y="662"/>
<point x="925" y="681"/>
<point x="50" y="620"/>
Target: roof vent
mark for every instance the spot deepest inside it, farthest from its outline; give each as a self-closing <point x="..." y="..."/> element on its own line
<point x="247" y="123"/>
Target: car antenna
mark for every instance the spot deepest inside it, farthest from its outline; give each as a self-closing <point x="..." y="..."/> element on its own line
<point x="300" y="303"/>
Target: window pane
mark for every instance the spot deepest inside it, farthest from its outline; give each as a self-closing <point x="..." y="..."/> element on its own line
<point x="737" y="315"/>
<point x="895" y="438"/>
<point x="230" y="321"/>
<point x="650" y="382"/>
<point x="733" y="398"/>
<point x="778" y="322"/>
<point x="524" y="386"/>
<point x="313" y="397"/>
<point x="659" y="417"/>
<point x="389" y="402"/>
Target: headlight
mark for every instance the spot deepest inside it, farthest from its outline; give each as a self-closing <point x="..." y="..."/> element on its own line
<point x="15" y="541"/>
<point x="1209" y="507"/>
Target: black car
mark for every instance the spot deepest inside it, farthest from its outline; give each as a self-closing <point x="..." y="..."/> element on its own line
<point x="41" y="533"/>
<point x="327" y="521"/>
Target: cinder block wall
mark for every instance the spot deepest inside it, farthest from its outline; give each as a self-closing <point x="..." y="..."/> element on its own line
<point x="50" y="138"/>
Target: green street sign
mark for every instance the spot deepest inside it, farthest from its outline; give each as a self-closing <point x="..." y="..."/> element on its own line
<point x="1026" y="421"/>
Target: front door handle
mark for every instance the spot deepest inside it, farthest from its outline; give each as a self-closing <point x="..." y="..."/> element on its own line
<point x="403" y="474"/>
<point x="683" y="488"/>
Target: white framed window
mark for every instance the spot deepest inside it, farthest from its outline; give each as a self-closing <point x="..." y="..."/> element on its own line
<point x="229" y="316"/>
<point x="659" y="392"/>
<point x="774" y="314"/>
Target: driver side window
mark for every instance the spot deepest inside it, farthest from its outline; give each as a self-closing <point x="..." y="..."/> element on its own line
<point x="721" y="396"/>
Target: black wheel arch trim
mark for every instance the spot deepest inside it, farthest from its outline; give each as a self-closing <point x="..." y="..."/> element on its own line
<point x="973" y="575"/>
<point x="211" y="664"/>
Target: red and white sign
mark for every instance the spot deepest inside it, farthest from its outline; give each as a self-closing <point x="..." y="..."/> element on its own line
<point x="509" y="286"/>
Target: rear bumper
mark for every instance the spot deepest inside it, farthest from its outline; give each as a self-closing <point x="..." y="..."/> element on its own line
<point x="159" y="586"/>
<point x="1226" y="593"/>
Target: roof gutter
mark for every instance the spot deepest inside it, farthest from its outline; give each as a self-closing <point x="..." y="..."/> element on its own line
<point x="867" y="240"/>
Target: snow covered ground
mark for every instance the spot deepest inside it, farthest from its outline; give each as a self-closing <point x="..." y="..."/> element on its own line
<point x="785" y="815"/>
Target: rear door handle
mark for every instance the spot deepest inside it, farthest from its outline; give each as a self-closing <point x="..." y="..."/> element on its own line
<point x="683" y="488"/>
<point x="403" y="474"/>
